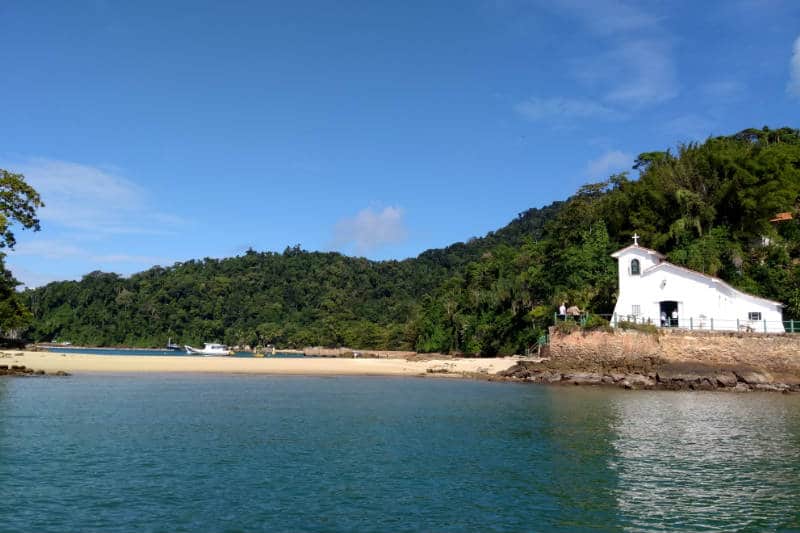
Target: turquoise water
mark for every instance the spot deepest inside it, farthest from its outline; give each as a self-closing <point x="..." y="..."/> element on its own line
<point x="248" y="453"/>
<point x="134" y="351"/>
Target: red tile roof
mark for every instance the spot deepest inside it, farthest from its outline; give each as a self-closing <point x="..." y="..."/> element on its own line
<point x="782" y="217"/>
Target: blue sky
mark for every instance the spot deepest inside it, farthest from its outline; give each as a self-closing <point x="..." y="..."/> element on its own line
<point x="165" y="131"/>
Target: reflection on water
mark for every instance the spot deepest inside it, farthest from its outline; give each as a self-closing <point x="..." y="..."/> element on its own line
<point x="216" y="453"/>
<point x="575" y="444"/>
<point x="686" y="460"/>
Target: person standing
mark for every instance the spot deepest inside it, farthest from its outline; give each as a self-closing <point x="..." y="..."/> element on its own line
<point x="562" y="311"/>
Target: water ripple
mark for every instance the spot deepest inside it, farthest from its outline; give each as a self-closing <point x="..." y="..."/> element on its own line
<point x="250" y="453"/>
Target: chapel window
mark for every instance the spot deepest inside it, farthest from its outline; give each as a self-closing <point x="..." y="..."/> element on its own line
<point x="635" y="267"/>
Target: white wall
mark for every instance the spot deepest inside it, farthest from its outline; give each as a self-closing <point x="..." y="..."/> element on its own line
<point x="699" y="299"/>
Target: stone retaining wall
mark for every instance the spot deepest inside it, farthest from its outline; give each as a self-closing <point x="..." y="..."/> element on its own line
<point x="776" y="353"/>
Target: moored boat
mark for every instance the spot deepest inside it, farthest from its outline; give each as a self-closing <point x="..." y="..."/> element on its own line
<point x="209" y="349"/>
<point x="172" y="346"/>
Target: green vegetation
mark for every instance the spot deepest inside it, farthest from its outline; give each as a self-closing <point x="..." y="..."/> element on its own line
<point x="18" y="205"/>
<point x="644" y="328"/>
<point x="708" y="206"/>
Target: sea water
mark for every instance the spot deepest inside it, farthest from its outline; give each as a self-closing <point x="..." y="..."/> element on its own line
<point x="154" y="352"/>
<point x="247" y="453"/>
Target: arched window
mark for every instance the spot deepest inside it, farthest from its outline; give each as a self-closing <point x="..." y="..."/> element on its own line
<point x="635" y="267"/>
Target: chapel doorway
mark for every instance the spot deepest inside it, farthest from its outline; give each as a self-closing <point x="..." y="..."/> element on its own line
<point x="669" y="314"/>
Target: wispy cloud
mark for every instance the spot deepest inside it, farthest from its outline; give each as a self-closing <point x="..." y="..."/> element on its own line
<point x="690" y="127"/>
<point x="793" y="87"/>
<point x="563" y="109"/>
<point x="31" y="278"/>
<point x="724" y="91"/>
<point x="54" y="249"/>
<point x="370" y="229"/>
<point x="632" y="65"/>
<point x="608" y="17"/>
<point x="608" y="163"/>
<point x="93" y="199"/>
<point x="49" y="249"/>
<point x="646" y="71"/>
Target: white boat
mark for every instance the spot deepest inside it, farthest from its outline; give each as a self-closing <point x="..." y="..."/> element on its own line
<point x="209" y="349"/>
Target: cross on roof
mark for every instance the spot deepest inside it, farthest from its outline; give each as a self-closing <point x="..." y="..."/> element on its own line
<point x="635" y="239"/>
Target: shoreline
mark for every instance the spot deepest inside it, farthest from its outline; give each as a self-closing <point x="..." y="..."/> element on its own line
<point x="591" y="360"/>
<point x="77" y="363"/>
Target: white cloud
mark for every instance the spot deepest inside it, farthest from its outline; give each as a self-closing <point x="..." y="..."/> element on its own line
<point x="61" y="249"/>
<point x="609" y="163"/>
<point x="31" y="279"/>
<point x="560" y="109"/>
<point x="793" y="87"/>
<point x="92" y="199"/>
<point x="631" y="63"/>
<point x="49" y="249"/>
<point x="369" y="229"/>
<point x="646" y="71"/>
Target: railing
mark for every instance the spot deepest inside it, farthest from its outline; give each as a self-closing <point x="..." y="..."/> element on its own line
<point x="714" y="324"/>
<point x="542" y="341"/>
<point x="692" y="323"/>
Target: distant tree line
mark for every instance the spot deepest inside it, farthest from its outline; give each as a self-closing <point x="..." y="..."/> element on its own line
<point x="707" y="205"/>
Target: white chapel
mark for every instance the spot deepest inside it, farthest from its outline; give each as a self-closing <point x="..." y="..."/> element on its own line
<point x="651" y="290"/>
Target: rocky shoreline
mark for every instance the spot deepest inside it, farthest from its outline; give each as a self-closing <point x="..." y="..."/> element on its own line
<point x="23" y="371"/>
<point x="667" y="376"/>
<point x="17" y="370"/>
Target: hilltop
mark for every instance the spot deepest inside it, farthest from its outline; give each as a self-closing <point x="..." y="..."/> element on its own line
<point x="708" y="206"/>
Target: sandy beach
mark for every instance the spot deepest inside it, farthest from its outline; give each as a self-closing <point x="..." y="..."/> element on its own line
<point x="52" y="362"/>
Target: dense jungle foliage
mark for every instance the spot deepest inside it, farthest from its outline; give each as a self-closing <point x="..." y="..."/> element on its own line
<point x="708" y="206"/>
<point x="18" y="205"/>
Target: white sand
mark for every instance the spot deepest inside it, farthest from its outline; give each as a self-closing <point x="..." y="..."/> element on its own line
<point x="79" y="364"/>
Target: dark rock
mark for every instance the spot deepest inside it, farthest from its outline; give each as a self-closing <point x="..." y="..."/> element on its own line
<point x="3" y="367"/>
<point x="61" y="373"/>
<point x="583" y="378"/>
<point x="726" y="379"/>
<point x="706" y="384"/>
<point x="519" y="371"/>
<point x="551" y="377"/>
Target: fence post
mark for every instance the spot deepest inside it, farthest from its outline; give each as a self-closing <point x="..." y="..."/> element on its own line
<point x="765" y="325"/>
<point x="614" y="319"/>
<point x="791" y="326"/>
<point x="712" y="323"/>
<point x="691" y="323"/>
<point x="738" y="328"/>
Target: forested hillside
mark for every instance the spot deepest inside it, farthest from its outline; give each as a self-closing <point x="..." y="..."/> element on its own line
<point x="294" y="298"/>
<point x="708" y="206"/>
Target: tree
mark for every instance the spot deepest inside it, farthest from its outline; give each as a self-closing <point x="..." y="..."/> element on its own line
<point x="18" y="204"/>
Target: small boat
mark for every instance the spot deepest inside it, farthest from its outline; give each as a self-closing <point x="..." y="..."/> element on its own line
<point x="209" y="349"/>
<point x="172" y="346"/>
